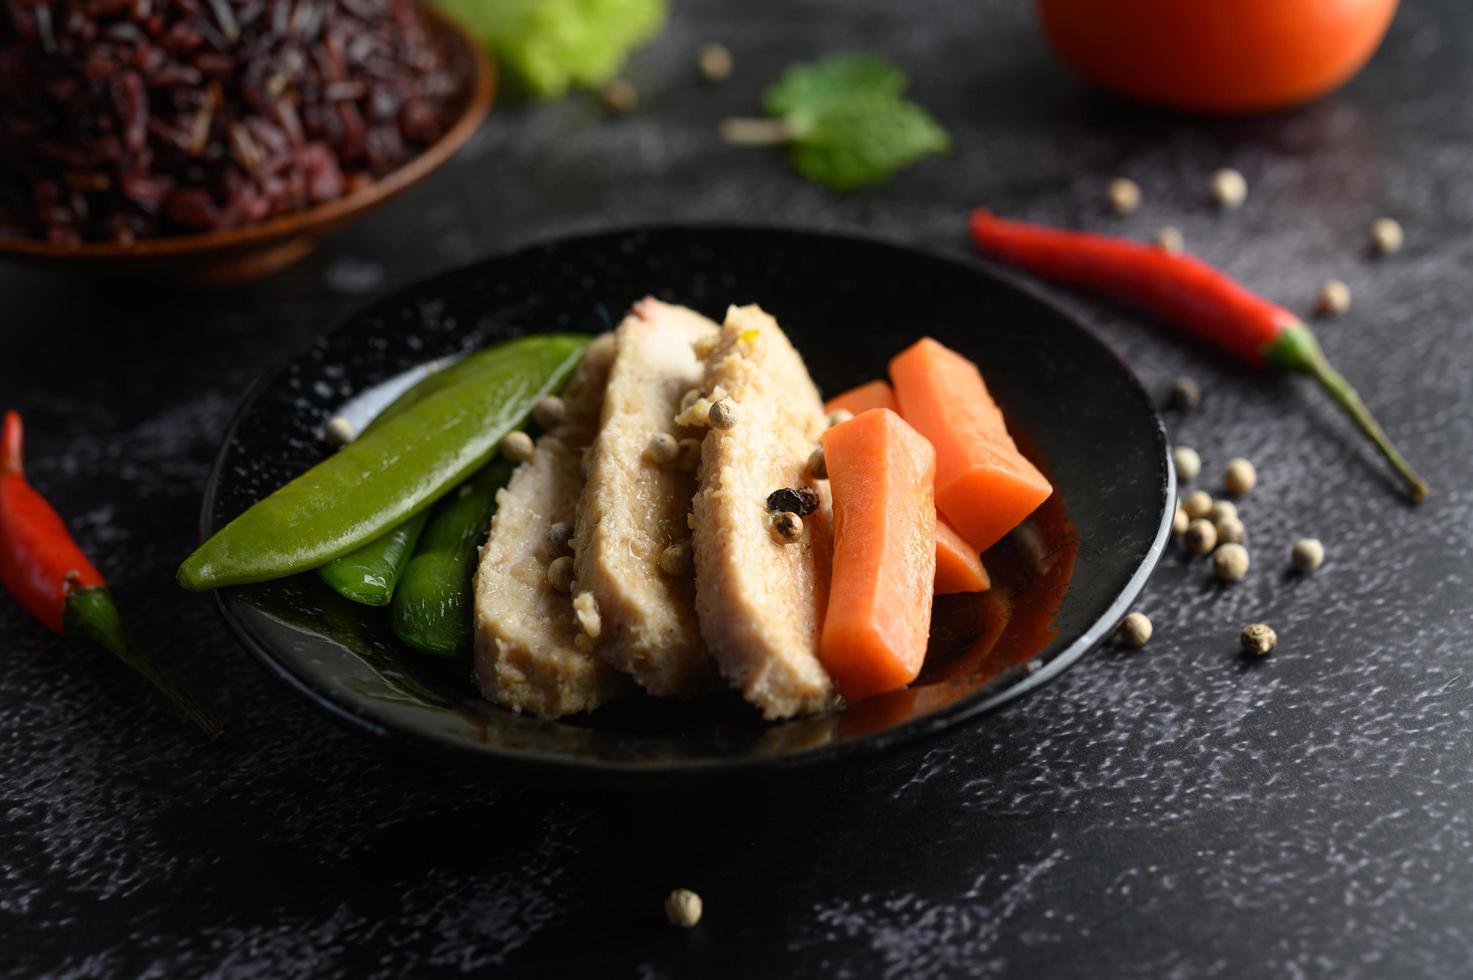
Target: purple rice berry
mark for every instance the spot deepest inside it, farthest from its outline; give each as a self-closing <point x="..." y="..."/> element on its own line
<point x="129" y="119"/>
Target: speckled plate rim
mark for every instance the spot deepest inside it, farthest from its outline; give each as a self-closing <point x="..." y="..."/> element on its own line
<point x="966" y="709"/>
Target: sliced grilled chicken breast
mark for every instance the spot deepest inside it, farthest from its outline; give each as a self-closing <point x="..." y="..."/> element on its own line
<point x="636" y="503"/>
<point x="531" y="654"/>
<point x="761" y="601"/>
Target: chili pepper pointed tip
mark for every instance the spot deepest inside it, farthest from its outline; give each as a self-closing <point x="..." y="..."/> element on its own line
<point x="1297" y="351"/>
<point x="11" y="444"/>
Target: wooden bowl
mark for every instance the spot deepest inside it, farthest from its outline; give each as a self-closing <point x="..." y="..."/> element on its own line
<point x="232" y="255"/>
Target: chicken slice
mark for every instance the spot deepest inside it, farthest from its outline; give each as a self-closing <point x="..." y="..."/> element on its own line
<point x="635" y="506"/>
<point x="761" y="602"/>
<point x="531" y="654"/>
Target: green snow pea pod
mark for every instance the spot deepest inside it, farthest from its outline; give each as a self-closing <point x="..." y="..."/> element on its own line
<point x="457" y="371"/>
<point x="369" y="574"/>
<point x="387" y="475"/>
<point x="431" y="610"/>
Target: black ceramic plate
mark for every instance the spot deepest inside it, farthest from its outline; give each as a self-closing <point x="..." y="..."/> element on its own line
<point x="1061" y="582"/>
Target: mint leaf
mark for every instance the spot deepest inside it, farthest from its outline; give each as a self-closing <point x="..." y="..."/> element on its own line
<point x="809" y="89"/>
<point x="545" y="47"/>
<point x="846" y="121"/>
<point x="864" y="140"/>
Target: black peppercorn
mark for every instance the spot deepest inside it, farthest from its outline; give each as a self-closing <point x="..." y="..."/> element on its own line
<point x="798" y="500"/>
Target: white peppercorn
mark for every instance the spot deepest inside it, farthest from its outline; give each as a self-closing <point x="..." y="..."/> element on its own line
<point x="619" y="96"/>
<point x="1170" y="241"/>
<point x="517" y="447"/>
<point x="689" y="456"/>
<point x="1239" y="477"/>
<point x="1201" y="537"/>
<point x="1135" y="630"/>
<point x="559" y="536"/>
<point x="662" y="449"/>
<point x="817" y="465"/>
<point x="560" y="573"/>
<point x="1307" y="554"/>
<point x="715" y="62"/>
<point x="1333" y="298"/>
<point x="1188" y="463"/>
<point x="1258" y="640"/>
<point x="1230" y="530"/>
<point x="1386" y="236"/>
<point x="1197" y="504"/>
<point x="675" y="559"/>
<point x="1222" y="510"/>
<point x="550" y="412"/>
<point x="1184" y="395"/>
<point x="339" y="431"/>
<point x="839" y="417"/>
<point x="1230" y="562"/>
<point x="1179" y="521"/>
<point x="1124" y="195"/>
<point x="683" y="908"/>
<point x="787" y="527"/>
<point x="1229" y="189"/>
<point x="722" y="414"/>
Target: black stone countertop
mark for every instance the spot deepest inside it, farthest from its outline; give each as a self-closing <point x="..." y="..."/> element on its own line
<point x="1167" y="812"/>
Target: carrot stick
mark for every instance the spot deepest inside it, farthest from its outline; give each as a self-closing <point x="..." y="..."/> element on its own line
<point x="862" y="398"/>
<point x="881" y="472"/>
<point x="984" y="486"/>
<point x="958" y="566"/>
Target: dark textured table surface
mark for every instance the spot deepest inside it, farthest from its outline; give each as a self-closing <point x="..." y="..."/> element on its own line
<point x="1168" y="812"/>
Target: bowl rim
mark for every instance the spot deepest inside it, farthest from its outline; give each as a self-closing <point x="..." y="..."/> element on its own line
<point x="946" y="719"/>
<point x="478" y="94"/>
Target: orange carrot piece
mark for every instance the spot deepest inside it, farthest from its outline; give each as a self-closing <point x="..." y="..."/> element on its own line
<point x="958" y="565"/>
<point x="984" y="486"/>
<point x="871" y="394"/>
<point x="882" y="474"/>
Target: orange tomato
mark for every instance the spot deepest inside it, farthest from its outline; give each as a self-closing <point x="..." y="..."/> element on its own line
<point x="1217" y="55"/>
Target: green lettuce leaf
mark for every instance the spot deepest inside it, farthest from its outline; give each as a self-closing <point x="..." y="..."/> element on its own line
<point x="546" y="47"/>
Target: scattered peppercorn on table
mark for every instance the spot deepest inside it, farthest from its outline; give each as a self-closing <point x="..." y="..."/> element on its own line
<point x="1186" y="806"/>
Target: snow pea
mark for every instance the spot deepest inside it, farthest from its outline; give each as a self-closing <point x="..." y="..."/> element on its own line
<point x="387" y="475"/>
<point x="431" y="609"/>
<point x="458" y="370"/>
<point x="369" y="574"/>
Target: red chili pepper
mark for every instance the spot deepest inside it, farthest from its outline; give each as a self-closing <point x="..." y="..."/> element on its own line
<point x="44" y="570"/>
<point x="1191" y="294"/>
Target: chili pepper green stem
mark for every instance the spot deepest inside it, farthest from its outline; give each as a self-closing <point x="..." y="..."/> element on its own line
<point x="92" y="614"/>
<point x="1297" y="350"/>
